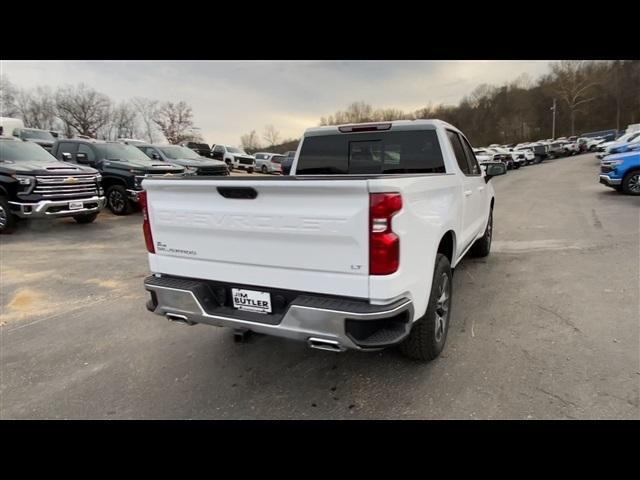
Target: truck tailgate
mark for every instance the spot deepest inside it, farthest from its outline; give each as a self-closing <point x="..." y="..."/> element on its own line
<point x="306" y="235"/>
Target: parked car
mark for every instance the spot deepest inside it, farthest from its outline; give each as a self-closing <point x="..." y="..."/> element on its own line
<point x="539" y="151"/>
<point x="512" y="158"/>
<point x="483" y="155"/>
<point x="503" y="157"/>
<point x="33" y="184"/>
<point x="123" y="167"/>
<point x="571" y="147"/>
<point x="269" y="162"/>
<point x="526" y="154"/>
<point x="556" y="149"/>
<point x="622" y="172"/>
<point x="234" y="157"/>
<point x="354" y="261"/>
<point x="287" y="163"/>
<point x="193" y="163"/>
<point x="35" y="135"/>
<point x="606" y="148"/>
<point x="591" y="144"/>
<point x="632" y="144"/>
<point x="200" y="148"/>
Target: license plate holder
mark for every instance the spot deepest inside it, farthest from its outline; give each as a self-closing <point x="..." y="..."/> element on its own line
<point x="76" y="205"/>
<point x="251" y="300"/>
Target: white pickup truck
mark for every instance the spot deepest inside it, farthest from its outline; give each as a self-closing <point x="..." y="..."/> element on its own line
<point x="354" y="250"/>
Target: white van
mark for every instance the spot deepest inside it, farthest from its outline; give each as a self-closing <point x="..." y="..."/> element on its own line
<point x="8" y="125"/>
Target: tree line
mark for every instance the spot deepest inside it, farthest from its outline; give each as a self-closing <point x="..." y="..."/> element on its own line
<point x="590" y="96"/>
<point x="82" y="110"/>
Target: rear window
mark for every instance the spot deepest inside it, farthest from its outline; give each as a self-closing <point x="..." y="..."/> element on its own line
<point x="415" y="151"/>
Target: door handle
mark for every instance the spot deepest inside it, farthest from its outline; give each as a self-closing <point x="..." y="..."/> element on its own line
<point x="468" y="192"/>
<point x="480" y="189"/>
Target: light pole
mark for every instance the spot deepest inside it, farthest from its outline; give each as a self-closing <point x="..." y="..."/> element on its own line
<point x="553" y="131"/>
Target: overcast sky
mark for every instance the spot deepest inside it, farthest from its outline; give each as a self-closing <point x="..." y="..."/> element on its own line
<point x="230" y="98"/>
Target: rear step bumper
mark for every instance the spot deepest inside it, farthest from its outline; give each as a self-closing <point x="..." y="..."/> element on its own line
<point x="324" y="323"/>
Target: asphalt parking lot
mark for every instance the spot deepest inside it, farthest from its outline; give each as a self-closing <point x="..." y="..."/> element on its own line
<point x="546" y="327"/>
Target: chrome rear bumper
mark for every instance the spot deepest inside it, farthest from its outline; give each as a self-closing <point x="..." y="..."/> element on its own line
<point x="342" y="324"/>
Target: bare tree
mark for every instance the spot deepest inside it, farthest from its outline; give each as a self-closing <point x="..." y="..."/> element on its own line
<point x="7" y="98"/>
<point x="82" y="109"/>
<point x="175" y="121"/>
<point x="573" y="85"/>
<point x="250" y="141"/>
<point x="37" y="108"/>
<point x="147" y="109"/>
<point x="124" y="119"/>
<point x="271" y="135"/>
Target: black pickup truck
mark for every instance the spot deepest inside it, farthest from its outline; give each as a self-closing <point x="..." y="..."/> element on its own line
<point x="123" y="167"/>
<point x="44" y="138"/>
<point x="33" y="184"/>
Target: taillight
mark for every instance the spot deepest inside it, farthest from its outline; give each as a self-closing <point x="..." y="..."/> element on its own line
<point x="384" y="245"/>
<point x="146" y="226"/>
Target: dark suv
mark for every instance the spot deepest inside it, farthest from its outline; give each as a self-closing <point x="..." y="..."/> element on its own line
<point x="201" y="149"/>
<point x="33" y="184"/>
<point x="123" y="167"/>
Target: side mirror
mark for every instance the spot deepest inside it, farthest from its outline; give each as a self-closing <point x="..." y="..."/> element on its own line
<point x="66" y="156"/>
<point x="494" y="170"/>
<point x="155" y="156"/>
<point x="81" y="158"/>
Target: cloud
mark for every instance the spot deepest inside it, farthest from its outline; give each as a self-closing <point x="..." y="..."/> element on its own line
<point x="230" y="98"/>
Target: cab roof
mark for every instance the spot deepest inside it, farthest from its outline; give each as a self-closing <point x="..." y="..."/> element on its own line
<point x="421" y="124"/>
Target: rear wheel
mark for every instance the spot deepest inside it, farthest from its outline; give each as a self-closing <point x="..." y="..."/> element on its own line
<point x="631" y="183"/>
<point x="264" y="169"/>
<point x="117" y="200"/>
<point x="87" y="218"/>
<point x="429" y="333"/>
<point x="7" y="219"/>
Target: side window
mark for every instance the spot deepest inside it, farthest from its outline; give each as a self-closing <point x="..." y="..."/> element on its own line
<point x="461" y="158"/>
<point x="474" y="168"/>
<point x="91" y="157"/>
<point x="67" y="147"/>
<point x="149" y="151"/>
<point x="219" y="149"/>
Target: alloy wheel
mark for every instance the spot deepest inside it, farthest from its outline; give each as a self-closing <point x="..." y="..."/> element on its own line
<point x="442" y="307"/>
<point x="116" y="200"/>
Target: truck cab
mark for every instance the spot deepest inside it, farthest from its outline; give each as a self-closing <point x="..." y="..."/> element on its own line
<point x="123" y="167"/>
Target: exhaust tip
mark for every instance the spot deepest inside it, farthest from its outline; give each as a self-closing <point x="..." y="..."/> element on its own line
<point x="176" y="317"/>
<point x="322" y="344"/>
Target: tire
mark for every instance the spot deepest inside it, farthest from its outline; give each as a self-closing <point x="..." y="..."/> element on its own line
<point x="429" y="333"/>
<point x="264" y="169"/>
<point x="482" y="246"/>
<point x="7" y="219"/>
<point x="117" y="200"/>
<point x="249" y="170"/>
<point x="87" y="218"/>
<point x="631" y="182"/>
<point x="230" y="166"/>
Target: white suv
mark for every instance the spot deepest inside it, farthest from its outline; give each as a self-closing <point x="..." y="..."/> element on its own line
<point x="234" y="157"/>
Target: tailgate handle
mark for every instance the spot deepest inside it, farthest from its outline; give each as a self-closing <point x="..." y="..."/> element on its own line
<point x="238" y="192"/>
